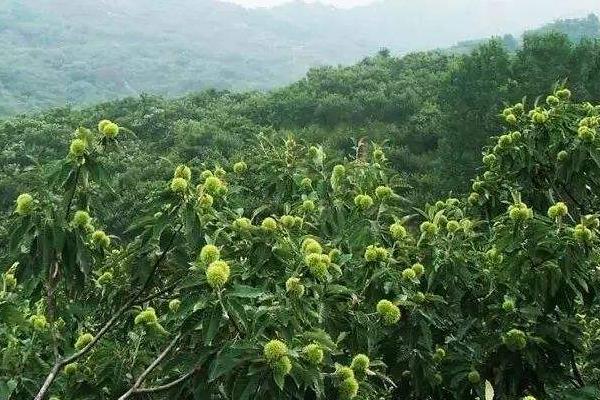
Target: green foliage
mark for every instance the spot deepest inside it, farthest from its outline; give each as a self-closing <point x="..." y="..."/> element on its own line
<point x="313" y="270"/>
<point x="335" y="301"/>
<point x="57" y="53"/>
<point x="432" y="112"/>
<point x="576" y="29"/>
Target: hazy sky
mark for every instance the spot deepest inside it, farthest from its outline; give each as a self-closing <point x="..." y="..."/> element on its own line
<point x="268" y="3"/>
<point x="577" y="5"/>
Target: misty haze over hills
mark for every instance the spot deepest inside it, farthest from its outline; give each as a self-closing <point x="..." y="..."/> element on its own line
<point x="272" y="3"/>
<point x="61" y="51"/>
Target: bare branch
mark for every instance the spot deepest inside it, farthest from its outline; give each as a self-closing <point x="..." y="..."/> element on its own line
<point x="108" y="325"/>
<point x="166" y="289"/>
<point x="61" y="363"/>
<point x="150" y="368"/>
<point x="169" y="385"/>
<point x="49" y="379"/>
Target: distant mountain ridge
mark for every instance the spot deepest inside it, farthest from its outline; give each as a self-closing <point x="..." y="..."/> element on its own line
<point x="61" y="51"/>
<point x="576" y="29"/>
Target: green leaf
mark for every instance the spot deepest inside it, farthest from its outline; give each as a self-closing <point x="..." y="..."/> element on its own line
<point x="245" y="387"/>
<point x="584" y="393"/>
<point x="10" y="314"/>
<point x="213" y="324"/>
<point x="7" y="388"/>
<point x="245" y="292"/>
<point x="279" y="380"/>
<point x="226" y="360"/>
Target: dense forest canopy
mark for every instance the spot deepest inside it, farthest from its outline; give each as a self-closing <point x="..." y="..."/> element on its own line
<point x="87" y="51"/>
<point x="291" y="272"/>
<point x="430" y="109"/>
<point x="576" y="29"/>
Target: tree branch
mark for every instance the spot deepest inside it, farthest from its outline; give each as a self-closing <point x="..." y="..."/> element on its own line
<point x="72" y="195"/>
<point x="53" y="274"/>
<point x="581" y="208"/>
<point x="169" y="385"/>
<point x="226" y="315"/>
<point x="108" y="325"/>
<point x="576" y="373"/>
<point x="165" y="290"/>
<point x="150" y="368"/>
<point x="157" y="264"/>
<point x="51" y="305"/>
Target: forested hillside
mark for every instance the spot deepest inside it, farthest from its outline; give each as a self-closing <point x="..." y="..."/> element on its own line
<point x="430" y="109"/>
<point x="576" y="29"/>
<point x="81" y="52"/>
<point x="292" y="271"/>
